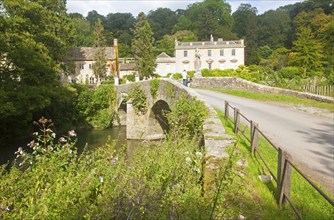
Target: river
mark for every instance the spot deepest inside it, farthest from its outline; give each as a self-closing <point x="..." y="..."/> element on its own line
<point x="94" y="138"/>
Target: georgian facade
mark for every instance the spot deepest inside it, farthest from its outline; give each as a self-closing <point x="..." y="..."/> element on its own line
<point x="212" y="54"/>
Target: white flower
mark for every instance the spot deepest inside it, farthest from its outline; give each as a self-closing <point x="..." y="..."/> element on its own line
<point x="62" y="139"/>
<point x="53" y="135"/>
<point x="72" y="133"/>
<point x="49" y="130"/>
<point x="186" y="153"/>
<point x="198" y="154"/>
<point x="197" y="170"/>
<point x="35" y="133"/>
<point x="188" y="160"/>
<point x="101" y="179"/>
<point x="20" y="164"/>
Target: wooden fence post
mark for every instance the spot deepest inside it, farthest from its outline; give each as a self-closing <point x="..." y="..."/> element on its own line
<point x="254" y="136"/>
<point x="283" y="177"/>
<point x="227" y="114"/>
<point x="236" y="120"/>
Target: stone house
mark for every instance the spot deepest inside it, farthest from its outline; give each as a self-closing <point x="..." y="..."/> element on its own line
<point x="208" y="55"/>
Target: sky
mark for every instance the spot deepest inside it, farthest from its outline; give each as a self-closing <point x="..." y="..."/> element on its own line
<point x="134" y="7"/>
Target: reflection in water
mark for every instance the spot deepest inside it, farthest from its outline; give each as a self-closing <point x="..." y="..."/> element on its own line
<point x="94" y="138"/>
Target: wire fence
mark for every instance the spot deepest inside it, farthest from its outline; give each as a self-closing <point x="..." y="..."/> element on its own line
<point x="285" y="164"/>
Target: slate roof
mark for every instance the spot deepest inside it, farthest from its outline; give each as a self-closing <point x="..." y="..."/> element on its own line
<point x="87" y="53"/>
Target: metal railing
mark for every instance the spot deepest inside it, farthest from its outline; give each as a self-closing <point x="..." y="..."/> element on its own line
<point x="285" y="163"/>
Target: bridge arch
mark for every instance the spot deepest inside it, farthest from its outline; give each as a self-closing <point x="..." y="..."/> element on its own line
<point x="157" y="120"/>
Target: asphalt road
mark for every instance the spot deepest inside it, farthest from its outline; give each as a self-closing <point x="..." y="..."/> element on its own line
<point x="307" y="137"/>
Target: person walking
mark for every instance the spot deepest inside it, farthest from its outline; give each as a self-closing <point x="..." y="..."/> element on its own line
<point x="185" y="78"/>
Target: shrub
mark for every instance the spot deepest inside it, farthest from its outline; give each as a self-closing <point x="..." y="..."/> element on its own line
<point x="139" y="100"/>
<point x="154" y="87"/>
<point x="187" y="116"/>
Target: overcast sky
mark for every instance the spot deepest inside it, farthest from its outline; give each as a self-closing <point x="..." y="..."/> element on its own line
<point x="105" y="7"/>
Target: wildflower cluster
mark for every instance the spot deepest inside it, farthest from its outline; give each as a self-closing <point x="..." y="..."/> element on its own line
<point x="45" y="143"/>
<point x="195" y="160"/>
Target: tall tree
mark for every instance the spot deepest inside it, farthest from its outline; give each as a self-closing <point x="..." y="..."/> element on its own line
<point x="206" y="18"/>
<point x="166" y="44"/>
<point x="34" y="39"/>
<point x="245" y="25"/>
<point x="84" y="33"/>
<point x="142" y="47"/>
<point x="308" y="52"/>
<point x="162" y="21"/>
<point x="275" y="28"/>
<point x="100" y="61"/>
<point x="120" y="24"/>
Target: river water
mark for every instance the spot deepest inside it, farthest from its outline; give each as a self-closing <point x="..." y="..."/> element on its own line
<point x="93" y="138"/>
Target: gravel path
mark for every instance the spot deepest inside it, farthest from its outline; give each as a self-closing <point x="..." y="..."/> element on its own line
<point x="309" y="138"/>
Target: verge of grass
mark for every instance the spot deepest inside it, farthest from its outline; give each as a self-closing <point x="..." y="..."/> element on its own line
<point x="277" y="98"/>
<point x="259" y="197"/>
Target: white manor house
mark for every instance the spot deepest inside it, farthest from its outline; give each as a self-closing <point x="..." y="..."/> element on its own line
<point x="209" y="54"/>
<point x="188" y="56"/>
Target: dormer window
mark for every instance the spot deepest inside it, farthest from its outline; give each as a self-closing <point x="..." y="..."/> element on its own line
<point x="185" y="53"/>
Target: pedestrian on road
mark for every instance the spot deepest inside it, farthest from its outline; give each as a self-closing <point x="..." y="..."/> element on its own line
<point x="185" y="78"/>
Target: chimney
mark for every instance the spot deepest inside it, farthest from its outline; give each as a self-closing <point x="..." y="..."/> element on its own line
<point x="115" y="42"/>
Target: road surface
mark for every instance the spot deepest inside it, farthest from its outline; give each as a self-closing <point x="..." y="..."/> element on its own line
<point x="307" y="137"/>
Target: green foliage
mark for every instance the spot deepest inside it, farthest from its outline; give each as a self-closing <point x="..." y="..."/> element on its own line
<point x="142" y="47"/>
<point x="191" y="74"/>
<point x="177" y="76"/>
<point x="138" y="98"/>
<point x="154" y="87"/>
<point x="170" y="92"/>
<point x="308" y="52"/>
<point x="187" y="116"/>
<point x="130" y="77"/>
<point x="35" y="37"/>
<point x="97" y="107"/>
<point x="162" y="21"/>
<point x="207" y="17"/>
<point x="290" y="72"/>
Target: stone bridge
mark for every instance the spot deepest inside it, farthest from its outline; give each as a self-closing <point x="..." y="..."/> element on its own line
<point x="152" y="124"/>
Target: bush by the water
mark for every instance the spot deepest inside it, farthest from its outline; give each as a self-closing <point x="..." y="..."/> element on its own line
<point x="157" y="181"/>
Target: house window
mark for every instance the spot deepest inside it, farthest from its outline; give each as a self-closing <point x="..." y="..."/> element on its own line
<point x="233" y="52"/>
<point x="81" y="66"/>
<point x="91" y="80"/>
<point x="90" y="66"/>
<point x="210" y="66"/>
<point x="221" y="52"/>
<point x="209" y="53"/>
<point x="185" y="53"/>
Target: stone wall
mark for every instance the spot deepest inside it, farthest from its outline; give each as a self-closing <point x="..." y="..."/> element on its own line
<point x="241" y="84"/>
<point x="140" y="126"/>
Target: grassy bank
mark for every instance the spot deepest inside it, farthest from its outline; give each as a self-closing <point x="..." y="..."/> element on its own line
<point x="309" y="203"/>
<point x="283" y="99"/>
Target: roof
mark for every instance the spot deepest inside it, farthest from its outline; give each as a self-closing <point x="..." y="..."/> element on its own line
<point x="126" y="66"/>
<point x="88" y="53"/>
<point x="164" y="58"/>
